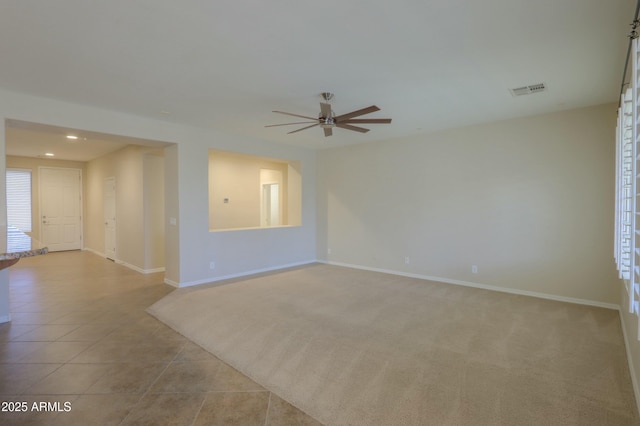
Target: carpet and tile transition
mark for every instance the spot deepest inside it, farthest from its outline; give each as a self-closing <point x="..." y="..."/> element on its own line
<point x="352" y="347"/>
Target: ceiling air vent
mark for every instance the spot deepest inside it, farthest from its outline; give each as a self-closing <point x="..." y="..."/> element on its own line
<point x="527" y="90"/>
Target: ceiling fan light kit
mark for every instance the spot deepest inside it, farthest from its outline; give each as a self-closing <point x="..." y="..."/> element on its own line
<point x="327" y="119"/>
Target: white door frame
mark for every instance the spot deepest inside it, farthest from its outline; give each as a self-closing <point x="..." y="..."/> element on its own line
<point x="114" y="223"/>
<point x="266" y="208"/>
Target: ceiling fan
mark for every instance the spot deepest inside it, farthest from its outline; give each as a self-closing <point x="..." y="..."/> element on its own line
<point x="328" y="120"/>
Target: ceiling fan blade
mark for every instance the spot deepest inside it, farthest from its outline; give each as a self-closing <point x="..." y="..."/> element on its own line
<point x="295" y="115"/>
<point x="350" y="127"/>
<point x="325" y="109"/>
<point x="327" y="131"/>
<point x="304" y="128"/>
<point x="289" y="124"/>
<point x="357" y="113"/>
<point x="368" y="120"/>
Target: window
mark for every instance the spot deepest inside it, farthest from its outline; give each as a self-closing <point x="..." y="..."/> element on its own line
<point x="624" y="190"/>
<point x="19" y="199"/>
<point x="627" y="219"/>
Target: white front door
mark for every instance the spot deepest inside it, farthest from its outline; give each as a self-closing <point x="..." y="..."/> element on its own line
<point x="110" y="218"/>
<point x="61" y="208"/>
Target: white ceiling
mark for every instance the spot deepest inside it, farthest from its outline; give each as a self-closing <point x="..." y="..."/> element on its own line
<point x="26" y="139"/>
<point x="428" y="64"/>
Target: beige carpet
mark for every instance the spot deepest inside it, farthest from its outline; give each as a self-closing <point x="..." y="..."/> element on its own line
<point x="352" y="347"/>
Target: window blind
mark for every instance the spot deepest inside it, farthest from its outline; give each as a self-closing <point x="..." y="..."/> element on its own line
<point x="19" y="199"/>
<point x="627" y="213"/>
<point x="624" y="187"/>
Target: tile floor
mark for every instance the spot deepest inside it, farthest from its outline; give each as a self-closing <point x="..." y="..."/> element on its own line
<point x="81" y="350"/>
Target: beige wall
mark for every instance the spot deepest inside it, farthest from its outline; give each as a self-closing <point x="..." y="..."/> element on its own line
<point x="294" y="204"/>
<point x="153" y="164"/>
<point x="529" y="201"/>
<point x="172" y="215"/>
<point x="133" y="234"/>
<point x="238" y="177"/>
<point x="33" y="164"/>
<point x="97" y="171"/>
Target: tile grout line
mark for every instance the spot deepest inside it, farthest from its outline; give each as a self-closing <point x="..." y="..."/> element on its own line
<point x="24" y="393"/>
<point x="68" y="362"/>
<point x="153" y="383"/>
<point x="199" y="410"/>
<point x="266" y="417"/>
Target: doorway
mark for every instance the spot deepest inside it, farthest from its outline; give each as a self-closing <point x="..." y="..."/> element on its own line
<point x="61" y="208"/>
<point x="270" y="204"/>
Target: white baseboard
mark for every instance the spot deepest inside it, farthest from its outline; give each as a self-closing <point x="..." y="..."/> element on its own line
<point x="128" y="265"/>
<point x="482" y="286"/>
<point x="90" y="250"/>
<point x="138" y="269"/>
<point x="238" y="275"/>
<point x="632" y="370"/>
<point x="171" y="283"/>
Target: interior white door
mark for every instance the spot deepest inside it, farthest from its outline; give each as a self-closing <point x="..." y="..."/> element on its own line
<point x="61" y="208"/>
<point x="110" y="217"/>
<point x="270" y="210"/>
<point x="274" y="204"/>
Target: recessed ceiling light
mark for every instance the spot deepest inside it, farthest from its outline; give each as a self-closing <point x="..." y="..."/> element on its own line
<point x="72" y="137"/>
<point x="49" y="154"/>
<point x="164" y="112"/>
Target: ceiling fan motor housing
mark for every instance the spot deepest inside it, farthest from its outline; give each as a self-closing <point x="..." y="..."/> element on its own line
<point x="327" y="123"/>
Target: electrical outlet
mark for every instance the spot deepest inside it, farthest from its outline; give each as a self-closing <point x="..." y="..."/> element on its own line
<point x="474" y="269"/>
<point x="212" y="265"/>
<point x="407" y="260"/>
